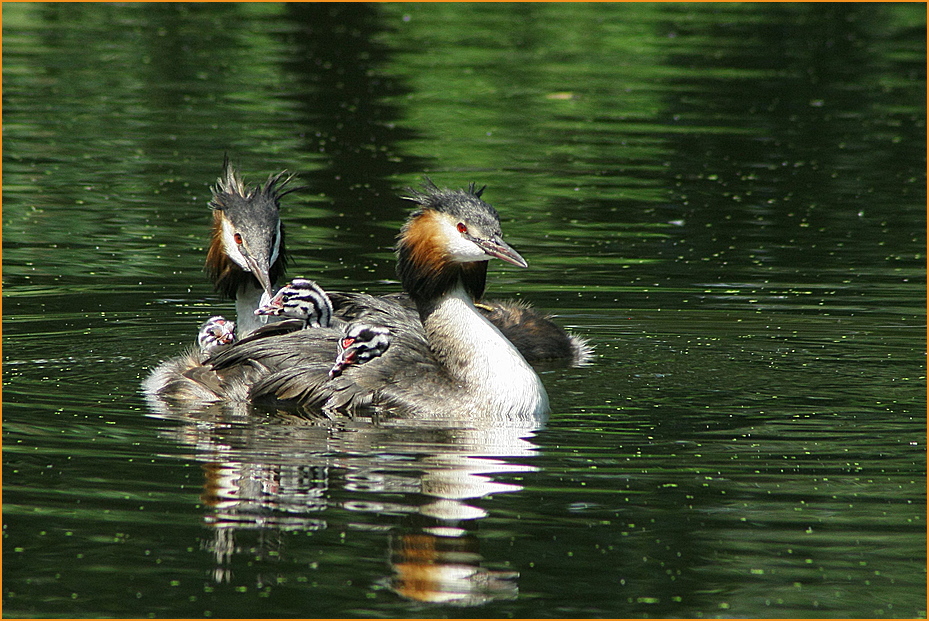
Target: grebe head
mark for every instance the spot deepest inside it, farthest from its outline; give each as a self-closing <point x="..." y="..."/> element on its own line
<point x="450" y="236"/>
<point x="360" y="343"/>
<point x="215" y="334"/>
<point x="247" y="244"/>
<point x="300" y="299"/>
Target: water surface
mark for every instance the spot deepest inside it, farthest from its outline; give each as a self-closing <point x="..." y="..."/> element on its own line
<point x="727" y="200"/>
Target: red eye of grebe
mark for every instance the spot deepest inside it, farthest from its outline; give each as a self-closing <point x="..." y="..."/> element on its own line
<point x="238" y="238"/>
<point x="462" y="228"/>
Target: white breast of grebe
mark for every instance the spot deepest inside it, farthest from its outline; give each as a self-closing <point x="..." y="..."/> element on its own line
<point x="488" y="364"/>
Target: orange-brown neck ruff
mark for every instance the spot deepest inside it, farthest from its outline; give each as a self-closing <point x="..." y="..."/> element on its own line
<point x="424" y="267"/>
<point x="225" y="274"/>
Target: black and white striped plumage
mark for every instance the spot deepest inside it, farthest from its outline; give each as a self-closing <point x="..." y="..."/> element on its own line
<point x="361" y="343"/>
<point x="216" y="333"/>
<point x="300" y="299"/>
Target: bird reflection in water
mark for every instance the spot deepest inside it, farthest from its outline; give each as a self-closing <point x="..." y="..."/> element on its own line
<point x="444" y="565"/>
<point x="421" y="487"/>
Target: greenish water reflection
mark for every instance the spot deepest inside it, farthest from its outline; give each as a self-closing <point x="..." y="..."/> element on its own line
<point x="727" y="199"/>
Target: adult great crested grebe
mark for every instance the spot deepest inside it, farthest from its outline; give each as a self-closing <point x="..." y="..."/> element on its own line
<point x="446" y="360"/>
<point x="246" y="256"/>
<point x="449" y="359"/>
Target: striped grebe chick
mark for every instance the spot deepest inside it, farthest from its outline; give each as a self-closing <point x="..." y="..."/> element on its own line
<point x="360" y="343"/>
<point x="215" y="334"/>
<point x="300" y="299"/>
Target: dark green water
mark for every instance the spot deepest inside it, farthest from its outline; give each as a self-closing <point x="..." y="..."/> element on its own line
<point x="727" y="200"/>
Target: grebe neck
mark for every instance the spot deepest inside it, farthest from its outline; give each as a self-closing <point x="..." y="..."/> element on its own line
<point x="492" y="372"/>
<point x="248" y="297"/>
